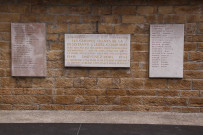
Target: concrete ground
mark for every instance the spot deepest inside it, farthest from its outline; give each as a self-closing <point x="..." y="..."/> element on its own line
<point x="99" y="123"/>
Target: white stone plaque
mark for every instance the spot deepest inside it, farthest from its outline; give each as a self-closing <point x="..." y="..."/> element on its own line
<point x="166" y="50"/>
<point x="97" y="50"/>
<point x="28" y="45"/>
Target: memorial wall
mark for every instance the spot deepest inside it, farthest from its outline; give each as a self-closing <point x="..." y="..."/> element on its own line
<point x="99" y="55"/>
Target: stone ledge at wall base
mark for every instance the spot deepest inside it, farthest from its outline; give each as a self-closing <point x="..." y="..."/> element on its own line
<point x="124" y="117"/>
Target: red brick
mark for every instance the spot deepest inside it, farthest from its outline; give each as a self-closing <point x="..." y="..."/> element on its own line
<point x="91" y="19"/>
<point x="46" y="18"/>
<point x="116" y="92"/>
<point x="176" y="101"/>
<point x="5" y="27"/>
<point x="155" y="83"/>
<point x="126" y="10"/>
<point x="25" y="107"/>
<point x="90" y="83"/>
<point x="79" y="10"/>
<point x="74" y="107"/>
<point x="99" y="73"/>
<point x="7" y="82"/>
<point x="107" y="83"/>
<point x="176" y="2"/>
<point x="133" y="19"/>
<point x="197" y="84"/>
<point x="5" y="91"/>
<point x="190" y="110"/>
<point x="92" y="2"/>
<point x="105" y="28"/>
<point x="5" y="107"/>
<point x="24" y="82"/>
<point x="31" y="91"/>
<point x="191" y="29"/>
<point x="151" y="108"/>
<point x="102" y="10"/>
<point x="71" y="2"/>
<point x="141" y="29"/>
<point x="189" y="46"/>
<point x="74" y="91"/>
<point x="138" y="2"/>
<point x="154" y="19"/>
<point x="59" y="28"/>
<point x="125" y="29"/>
<point x="58" y="9"/>
<point x="114" y="2"/>
<point x="195" y="38"/>
<point x="196" y="101"/>
<point x="94" y="108"/>
<point x="141" y="56"/>
<point x="39" y="9"/>
<point x="190" y="93"/>
<point x="193" y="74"/>
<point x="196" y="56"/>
<point x="17" y="99"/>
<point x="5" y="36"/>
<point x="29" y="18"/>
<point x="43" y="83"/>
<point x="200" y="46"/>
<point x="130" y="83"/>
<point x="146" y="10"/>
<point x="193" y="18"/>
<point x="18" y="91"/>
<point x="140" y="38"/>
<point x="141" y="92"/>
<point x="167" y="93"/>
<point x="116" y="108"/>
<point x="14" y="8"/>
<point x="121" y="73"/>
<point x="165" y="10"/>
<point x="68" y="19"/>
<point x="111" y="19"/>
<point x="82" y="28"/>
<point x="187" y="10"/>
<point x="95" y="92"/>
<point x="52" y="107"/>
<point x="77" y="73"/>
<point x="64" y="82"/>
<point x="42" y="99"/>
<point x="191" y="66"/>
<point x="52" y="37"/>
<point x="64" y="99"/>
<point x="4" y="8"/>
<point x="157" y="101"/>
<point x="179" y="84"/>
<point x="174" y="19"/>
<point x="55" y="55"/>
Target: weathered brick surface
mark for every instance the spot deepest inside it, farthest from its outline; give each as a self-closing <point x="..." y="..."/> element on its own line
<point x="103" y="89"/>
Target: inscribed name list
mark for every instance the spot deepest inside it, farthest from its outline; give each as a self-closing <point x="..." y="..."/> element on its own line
<point x="28" y="44"/>
<point x="97" y="50"/>
<point x="166" y="50"/>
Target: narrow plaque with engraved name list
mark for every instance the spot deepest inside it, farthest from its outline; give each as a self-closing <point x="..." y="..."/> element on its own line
<point x="166" y="50"/>
<point x="28" y="45"/>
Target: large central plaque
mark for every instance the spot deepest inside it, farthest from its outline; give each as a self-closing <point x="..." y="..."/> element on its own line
<point x="97" y="50"/>
<point x="28" y="44"/>
<point x="166" y="50"/>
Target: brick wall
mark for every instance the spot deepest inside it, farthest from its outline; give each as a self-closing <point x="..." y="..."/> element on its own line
<point x="103" y="89"/>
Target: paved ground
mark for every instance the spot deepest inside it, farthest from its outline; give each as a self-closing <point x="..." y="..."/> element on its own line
<point x="97" y="129"/>
<point x="116" y="117"/>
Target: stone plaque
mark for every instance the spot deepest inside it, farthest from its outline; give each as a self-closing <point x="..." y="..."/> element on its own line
<point x="28" y="44"/>
<point x="166" y="50"/>
<point x="97" y="50"/>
